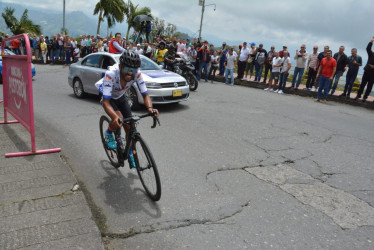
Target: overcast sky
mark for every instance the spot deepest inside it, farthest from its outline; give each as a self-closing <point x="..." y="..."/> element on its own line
<point x="291" y="22"/>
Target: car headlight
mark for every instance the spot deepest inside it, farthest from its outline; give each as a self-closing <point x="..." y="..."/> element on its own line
<point x="153" y="85"/>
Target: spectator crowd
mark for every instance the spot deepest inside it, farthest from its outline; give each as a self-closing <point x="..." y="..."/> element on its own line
<point x="253" y="63"/>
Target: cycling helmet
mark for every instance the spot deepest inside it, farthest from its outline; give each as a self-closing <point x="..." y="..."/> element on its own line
<point x="162" y="43"/>
<point x="130" y="59"/>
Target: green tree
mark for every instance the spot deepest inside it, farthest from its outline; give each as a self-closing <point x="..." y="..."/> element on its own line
<point x="170" y="29"/>
<point x="131" y="12"/>
<point x="23" y="25"/>
<point x="111" y="10"/>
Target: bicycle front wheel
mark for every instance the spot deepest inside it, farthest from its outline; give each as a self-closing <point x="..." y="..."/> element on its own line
<point x="147" y="169"/>
<point x="112" y="154"/>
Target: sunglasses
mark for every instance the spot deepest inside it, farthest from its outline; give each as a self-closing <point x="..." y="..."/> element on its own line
<point x="129" y="70"/>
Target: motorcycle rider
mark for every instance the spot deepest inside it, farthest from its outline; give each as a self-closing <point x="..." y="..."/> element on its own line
<point x="160" y="53"/>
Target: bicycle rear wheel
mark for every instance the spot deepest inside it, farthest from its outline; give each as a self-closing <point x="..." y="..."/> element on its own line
<point x="147" y="169"/>
<point x="112" y="154"/>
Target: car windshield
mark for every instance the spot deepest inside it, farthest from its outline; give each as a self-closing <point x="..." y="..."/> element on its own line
<point x="147" y="64"/>
<point x="6" y="52"/>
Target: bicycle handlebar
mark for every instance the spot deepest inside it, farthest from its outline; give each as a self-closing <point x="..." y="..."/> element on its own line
<point x="137" y="118"/>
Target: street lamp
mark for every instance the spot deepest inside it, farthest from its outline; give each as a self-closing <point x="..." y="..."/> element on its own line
<point x="202" y="4"/>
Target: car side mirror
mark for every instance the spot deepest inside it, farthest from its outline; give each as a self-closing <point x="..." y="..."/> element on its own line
<point x="161" y="66"/>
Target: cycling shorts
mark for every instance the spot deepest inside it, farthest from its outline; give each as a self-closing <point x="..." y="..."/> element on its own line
<point x="121" y="104"/>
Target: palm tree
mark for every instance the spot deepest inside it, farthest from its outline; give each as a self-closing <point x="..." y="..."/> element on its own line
<point x="112" y="10"/>
<point x="131" y="12"/>
<point x="24" y="25"/>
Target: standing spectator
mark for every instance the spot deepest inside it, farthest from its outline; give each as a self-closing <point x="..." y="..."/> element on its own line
<point x="54" y="50"/>
<point x="286" y="66"/>
<point x="114" y="45"/>
<point x="60" y="40"/>
<point x="15" y="43"/>
<point x="148" y="30"/>
<point x="300" y="57"/>
<point x="222" y="59"/>
<point x="269" y="62"/>
<point x="341" y="61"/>
<point x="180" y="45"/>
<point x="100" y="45"/>
<point x="35" y="46"/>
<point x="44" y="50"/>
<point x="250" y="62"/>
<point x="83" y="45"/>
<point x="193" y="55"/>
<point x="320" y="57"/>
<point x="76" y="53"/>
<point x="312" y="68"/>
<point x="88" y="45"/>
<point x="326" y="72"/>
<point x="214" y="60"/>
<point x="260" y="58"/>
<point x="284" y="50"/>
<point x="276" y="65"/>
<point x="147" y="51"/>
<point x="204" y="59"/>
<point x="67" y="48"/>
<point x="354" y="63"/>
<point x="230" y="65"/>
<point x="134" y="36"/>
<point x="48" y="42"/>
<point x="138" y="49"/>
<point x="368" y="77"/>
<point x="244" y="55"/>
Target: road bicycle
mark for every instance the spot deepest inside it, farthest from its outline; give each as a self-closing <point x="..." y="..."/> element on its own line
<point x="136" y="151"/>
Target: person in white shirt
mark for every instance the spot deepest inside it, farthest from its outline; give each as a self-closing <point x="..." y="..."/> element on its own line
<point x="214" y="61"/>
<point x="180" y="45"/>
<point x="138" y="50"/>
<point x="230" y="65"/>
<point x="286" y="66"/>
<point x="300" y="57"/>
<point x="244" y="54"/>
<point x="76" y="53"/>
<point x="275" y="72"/>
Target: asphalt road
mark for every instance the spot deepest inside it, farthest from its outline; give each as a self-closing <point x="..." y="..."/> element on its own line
<point x="240" y="168"/>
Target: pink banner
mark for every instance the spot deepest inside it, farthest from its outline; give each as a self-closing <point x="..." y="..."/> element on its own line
<point x="17" y="92"/>
<point x="17" y="80"/>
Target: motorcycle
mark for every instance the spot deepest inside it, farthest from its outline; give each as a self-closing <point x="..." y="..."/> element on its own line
<point x="182" y="65"/>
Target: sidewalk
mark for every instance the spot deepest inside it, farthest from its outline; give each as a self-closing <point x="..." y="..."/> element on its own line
<point x="38" y="210"/>
<point x="368" y="104"/>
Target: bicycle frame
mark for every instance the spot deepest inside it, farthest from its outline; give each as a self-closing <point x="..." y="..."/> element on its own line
<point x="132" y="133"/>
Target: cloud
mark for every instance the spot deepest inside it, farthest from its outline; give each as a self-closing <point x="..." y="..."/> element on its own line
<point x="291" y="22"/>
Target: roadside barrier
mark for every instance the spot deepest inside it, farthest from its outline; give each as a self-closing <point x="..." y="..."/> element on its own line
<point x="18" y="95"/>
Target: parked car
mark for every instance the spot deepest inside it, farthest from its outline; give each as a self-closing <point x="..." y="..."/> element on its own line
<point x="163" y="86"/>
<point x="8" y="52"/>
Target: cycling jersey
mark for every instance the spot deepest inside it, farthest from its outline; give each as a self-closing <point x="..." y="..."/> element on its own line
<point x="110" y="87"/>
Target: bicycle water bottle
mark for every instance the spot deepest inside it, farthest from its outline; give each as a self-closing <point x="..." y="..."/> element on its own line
<point x="131" y="158"/>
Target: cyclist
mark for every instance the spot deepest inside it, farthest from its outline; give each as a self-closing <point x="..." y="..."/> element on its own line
<point x="119" y="78"/>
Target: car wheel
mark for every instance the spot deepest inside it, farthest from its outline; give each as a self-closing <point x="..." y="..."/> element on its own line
<point x="133" y="99"/>
<point x="78" y="88"/>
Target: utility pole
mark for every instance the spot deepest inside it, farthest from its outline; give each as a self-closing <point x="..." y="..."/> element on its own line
<point x="202" y="4"/>
<point x="202" y="16"/>
<point x="63" y="19"/>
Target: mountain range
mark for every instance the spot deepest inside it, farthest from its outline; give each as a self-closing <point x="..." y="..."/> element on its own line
<point x="78" y="23"/>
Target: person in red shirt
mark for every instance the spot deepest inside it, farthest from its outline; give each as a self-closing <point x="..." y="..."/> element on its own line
<point x="15" y="45"/>
<point x="326" y="72"/>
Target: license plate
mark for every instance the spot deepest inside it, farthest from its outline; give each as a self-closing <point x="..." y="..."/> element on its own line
<point x="177" y="93"/>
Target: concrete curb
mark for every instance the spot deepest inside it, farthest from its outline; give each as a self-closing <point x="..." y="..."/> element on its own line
<point x="38" y="209"/>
